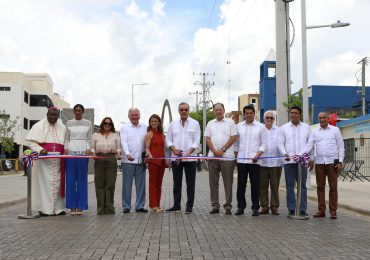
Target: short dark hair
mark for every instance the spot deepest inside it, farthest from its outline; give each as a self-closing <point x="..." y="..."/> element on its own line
<point x="80" y="106"/>
<point x="218" y="103"/>
<point x="112" y="129"/>
<point x="297" y="108"/>
<point x="249" y="107"/>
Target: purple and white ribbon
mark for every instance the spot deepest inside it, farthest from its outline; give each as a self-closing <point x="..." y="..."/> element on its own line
<point x="302" y="159"/>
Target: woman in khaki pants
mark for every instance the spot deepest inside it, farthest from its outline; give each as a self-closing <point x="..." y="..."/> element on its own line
<point x="106" y="145"/>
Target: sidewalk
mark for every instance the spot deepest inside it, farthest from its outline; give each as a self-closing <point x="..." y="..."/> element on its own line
<point x="353" y="196"/>
<point x="13" y="189"/>
<point x="199" y="235"/>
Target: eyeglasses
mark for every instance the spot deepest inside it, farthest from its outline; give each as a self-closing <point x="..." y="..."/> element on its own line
<point x="269" y="117"/>
<point x="107" y="123"/>
<point x="184" y="110"/>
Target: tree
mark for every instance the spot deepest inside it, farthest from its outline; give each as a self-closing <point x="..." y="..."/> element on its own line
<point x="295" y="99"/>
<point x="198" y="115"/>
<point x="7" y="132"/>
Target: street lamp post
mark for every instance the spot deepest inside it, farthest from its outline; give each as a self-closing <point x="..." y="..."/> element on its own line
<point x="132" y="91"/>
<point x="304" y="56"/>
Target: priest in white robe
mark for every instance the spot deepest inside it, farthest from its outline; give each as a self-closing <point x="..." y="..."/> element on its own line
<point x="48" y="178"/>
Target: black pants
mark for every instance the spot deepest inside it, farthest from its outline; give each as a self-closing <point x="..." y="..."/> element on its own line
<point x="190" y="172"/>
<point x="254" y="175"/>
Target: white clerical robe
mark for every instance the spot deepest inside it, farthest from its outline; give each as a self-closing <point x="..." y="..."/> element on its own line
<point x="46" y="173"/>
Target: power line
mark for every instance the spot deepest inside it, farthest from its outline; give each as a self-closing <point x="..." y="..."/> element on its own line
<point x="234" y="39"/>
<point x="209" y="23"/>
<point x="214" y="43"/>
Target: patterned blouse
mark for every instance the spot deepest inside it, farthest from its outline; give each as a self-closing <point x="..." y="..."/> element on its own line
<point x="78" y="136"/>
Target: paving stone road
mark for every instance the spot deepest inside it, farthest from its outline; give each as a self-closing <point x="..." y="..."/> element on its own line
<point x="179" y="236"/>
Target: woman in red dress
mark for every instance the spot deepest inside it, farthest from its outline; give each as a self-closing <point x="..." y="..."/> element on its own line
<point x="154" y="146"/>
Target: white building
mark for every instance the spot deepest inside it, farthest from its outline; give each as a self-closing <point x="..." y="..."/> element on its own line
<point x="27" y="96"/>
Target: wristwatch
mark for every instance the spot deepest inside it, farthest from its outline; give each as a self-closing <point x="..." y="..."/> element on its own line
<point x="224" y="149"/>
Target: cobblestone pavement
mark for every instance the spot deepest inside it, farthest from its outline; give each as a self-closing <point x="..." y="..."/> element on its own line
<point x="180" y="236"/>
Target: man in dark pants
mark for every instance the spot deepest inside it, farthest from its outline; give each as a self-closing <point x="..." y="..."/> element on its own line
<point x="251" y="145"/>
<point x="183" y="138"/>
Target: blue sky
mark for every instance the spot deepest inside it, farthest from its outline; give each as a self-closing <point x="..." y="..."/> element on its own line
<point x="95" y="49"/>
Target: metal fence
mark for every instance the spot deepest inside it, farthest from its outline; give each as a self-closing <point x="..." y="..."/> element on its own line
<point x="356" y="159"/>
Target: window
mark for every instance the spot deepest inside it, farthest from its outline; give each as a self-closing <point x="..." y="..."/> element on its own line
<point x="32" y="122"/>
<point x="253" y="101"/>
<point x="271" y="70"/>
<point x="26" y="97"/>
<point x="4" y="88"/>
<point x="4" y="116"/>
<point x="40" y="101"/>
<point x="25" y="123"/>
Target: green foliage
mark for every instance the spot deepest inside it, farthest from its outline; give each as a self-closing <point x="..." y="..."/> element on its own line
<point x="7" y="132"/>
<point x="198" y="115"/>
<point x="294" y="100"/>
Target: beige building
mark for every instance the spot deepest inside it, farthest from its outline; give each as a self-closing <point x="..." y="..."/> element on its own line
<point x="26" y="97"/>
<point x="247" y="99"/>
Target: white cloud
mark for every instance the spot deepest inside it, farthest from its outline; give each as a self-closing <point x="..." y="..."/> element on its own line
<point x="334" y="70"/>
<point x="94" y="50"/>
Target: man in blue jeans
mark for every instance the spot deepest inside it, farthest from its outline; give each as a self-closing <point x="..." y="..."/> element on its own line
<point x="133" y="168"/>
<point x="296" y="135"/>
<point x="183" y="138"/>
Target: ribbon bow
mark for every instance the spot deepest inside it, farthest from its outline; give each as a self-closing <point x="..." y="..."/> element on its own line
<point x="178" y="160"/>
<point x="28" y="159"/>
<point x="302" y="160"/>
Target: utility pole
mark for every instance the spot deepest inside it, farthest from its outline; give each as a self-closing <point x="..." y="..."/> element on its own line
<point x="363" y="90"/>
<point x="196" y="99"/>
<point x="229" y="80"/>
<point x="206" y="85"/>
<point x="282" y="59"/>
<point x="204" y="115"/>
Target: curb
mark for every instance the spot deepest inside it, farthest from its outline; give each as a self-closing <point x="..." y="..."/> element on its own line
<point x="340" y="205"/>
<point x="12" y="202"/>
<point x="6" y="204"/>
<point x="344" y="206"/>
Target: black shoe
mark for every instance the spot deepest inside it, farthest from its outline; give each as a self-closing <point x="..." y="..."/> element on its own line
<point x="188" y="210"/>
<point x="173" y="209"/>
<point x="61" y="213"/>
<point x="126" y="210"/>
<point x="214" y="211"/>
<point x="303" y="213"/>
<point x="142" y="210"/>
<point x="239" y="212"/>
<point x="228" y="211"/>
<point x="41" y="214"/>
<point x="291" y="212"/>
<point x="255" y="213"/>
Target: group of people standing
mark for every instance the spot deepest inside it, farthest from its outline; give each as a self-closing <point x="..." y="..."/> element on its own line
<point x="260" y="151"/>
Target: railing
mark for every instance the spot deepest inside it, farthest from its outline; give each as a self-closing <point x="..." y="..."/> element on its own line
<point x="356" y="159"/>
